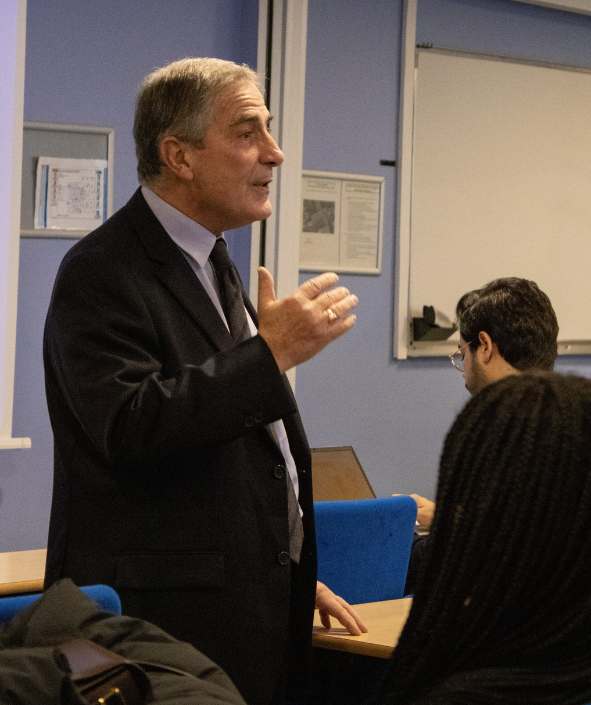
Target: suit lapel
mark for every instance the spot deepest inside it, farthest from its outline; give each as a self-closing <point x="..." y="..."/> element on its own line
<point x="175" y="273"/>
<point x="173" y="270"/>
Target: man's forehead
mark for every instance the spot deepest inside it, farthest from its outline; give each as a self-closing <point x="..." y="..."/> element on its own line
<point x="241" y="98"/>
<point x="250" y="115"/>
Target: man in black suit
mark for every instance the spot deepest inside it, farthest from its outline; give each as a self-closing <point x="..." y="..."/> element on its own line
<point x="179" y="451"/>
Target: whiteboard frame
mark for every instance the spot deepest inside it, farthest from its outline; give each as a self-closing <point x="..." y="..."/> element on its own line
<point x="443" y="349"/>
<point x="109" y="134"/>
<point x="404" y="181"/>
<point x="403" y="344"/>
<point x="562" y="5"/>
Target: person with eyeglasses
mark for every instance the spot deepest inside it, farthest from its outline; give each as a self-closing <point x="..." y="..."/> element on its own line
<point x="506" y="327"/>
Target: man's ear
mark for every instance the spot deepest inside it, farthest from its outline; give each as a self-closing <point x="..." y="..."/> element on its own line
<point x="486" y="348"/>
<point x="174" y="156"/>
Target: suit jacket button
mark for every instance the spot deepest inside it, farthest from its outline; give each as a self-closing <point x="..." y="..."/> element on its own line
<point x="249" y="421"/>
<point x="283" y="558"/>
<point x="279" y="472"/>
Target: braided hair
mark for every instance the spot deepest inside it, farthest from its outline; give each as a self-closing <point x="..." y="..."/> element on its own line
<point x="502" y="612"/>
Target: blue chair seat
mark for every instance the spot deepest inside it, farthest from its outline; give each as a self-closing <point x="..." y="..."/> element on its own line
<point x="364" y="546"/>
<point x="104" y="596"/>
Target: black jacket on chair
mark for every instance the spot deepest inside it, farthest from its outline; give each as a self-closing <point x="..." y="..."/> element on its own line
<point x="167" y="485"/>
<point x="30" y="673"/>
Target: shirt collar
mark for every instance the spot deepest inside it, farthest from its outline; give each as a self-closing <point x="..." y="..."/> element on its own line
<point x="186" y="233"/>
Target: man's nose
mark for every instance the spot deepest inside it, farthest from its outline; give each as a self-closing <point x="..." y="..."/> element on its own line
<point x="273" y="154"/>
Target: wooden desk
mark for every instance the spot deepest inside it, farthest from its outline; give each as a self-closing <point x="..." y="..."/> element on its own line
<point x="22" y="571"/>
<point x="384" y="621"/>
<point x="337" y="474"/>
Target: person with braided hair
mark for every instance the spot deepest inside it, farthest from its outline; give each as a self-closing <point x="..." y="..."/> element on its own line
<point x="506" y="327"/>
<point x="502" y="612"/>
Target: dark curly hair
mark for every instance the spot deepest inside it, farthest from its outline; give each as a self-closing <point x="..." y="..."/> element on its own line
<point x="519" y="318"/>
<point x="502" y="613"/>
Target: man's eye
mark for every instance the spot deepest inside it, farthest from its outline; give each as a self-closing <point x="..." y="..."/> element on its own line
<point x="246" y="135"/>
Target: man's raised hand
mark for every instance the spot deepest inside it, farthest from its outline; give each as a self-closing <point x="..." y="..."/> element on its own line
<point x="299" y="326"/>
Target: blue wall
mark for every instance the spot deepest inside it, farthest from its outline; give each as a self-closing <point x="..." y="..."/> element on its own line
<point x="85" y="61"/>
<point x="396" y="413"/>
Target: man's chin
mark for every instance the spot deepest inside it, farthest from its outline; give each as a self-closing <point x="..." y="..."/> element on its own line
<point x="246" y="218"/>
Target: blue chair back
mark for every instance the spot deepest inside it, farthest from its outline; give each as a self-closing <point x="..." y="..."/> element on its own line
<point x="364" y="546"/>
<point x="104" y="596"/>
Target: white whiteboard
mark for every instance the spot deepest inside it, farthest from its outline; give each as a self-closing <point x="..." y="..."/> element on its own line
<point x="501" y="185"/>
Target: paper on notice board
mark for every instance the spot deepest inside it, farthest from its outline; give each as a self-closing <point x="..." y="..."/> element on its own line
<point x="321" y="209"/>
<point x="341" y="222"/>
<point x="70" y="194"/>
<point x="361" y="221"/>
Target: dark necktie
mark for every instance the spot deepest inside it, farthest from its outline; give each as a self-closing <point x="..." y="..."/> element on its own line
<point x="230" y="290"/>
<point x="296" y="528"/>
<point x="233" y="305"/>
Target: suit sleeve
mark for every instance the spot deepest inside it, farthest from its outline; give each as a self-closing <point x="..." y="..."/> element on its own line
<point x="109" y="367"/>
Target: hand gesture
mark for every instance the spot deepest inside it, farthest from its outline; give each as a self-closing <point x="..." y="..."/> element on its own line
<point x="299" y="326"/>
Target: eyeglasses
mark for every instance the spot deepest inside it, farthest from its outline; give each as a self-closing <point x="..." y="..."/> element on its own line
<point x="457" y="357"/>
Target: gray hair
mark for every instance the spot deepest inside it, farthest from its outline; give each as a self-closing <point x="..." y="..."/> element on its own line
<point x="178" y="100"/>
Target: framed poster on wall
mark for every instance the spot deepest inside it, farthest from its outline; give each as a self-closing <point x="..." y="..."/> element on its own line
<point x="342" y="222"/>
<point x="67" y="187"/>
